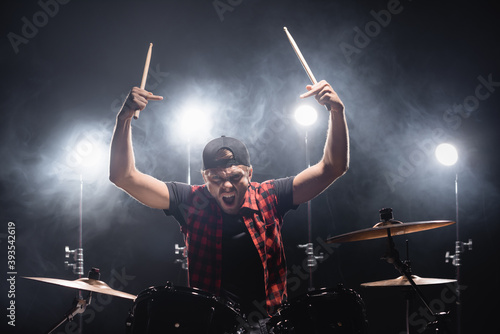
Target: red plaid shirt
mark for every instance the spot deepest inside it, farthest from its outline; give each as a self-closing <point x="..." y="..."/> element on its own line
<point x="201" y="222"/>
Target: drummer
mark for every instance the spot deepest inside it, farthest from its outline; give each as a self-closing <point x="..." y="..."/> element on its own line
<point x="232" y="226"/>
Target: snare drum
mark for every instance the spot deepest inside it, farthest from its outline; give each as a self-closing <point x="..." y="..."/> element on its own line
<point x="184" y="310"/>
<point x="322" y="311"/>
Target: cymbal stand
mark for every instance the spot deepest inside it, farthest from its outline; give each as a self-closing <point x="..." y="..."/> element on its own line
<point x="410" y="294"/>
<point x="79" y="303"/>
<point x="392" y="256"/>
<point x="78" y="307"/>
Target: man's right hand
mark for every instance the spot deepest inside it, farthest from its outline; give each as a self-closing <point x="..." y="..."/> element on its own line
<point x="137" y="99"/>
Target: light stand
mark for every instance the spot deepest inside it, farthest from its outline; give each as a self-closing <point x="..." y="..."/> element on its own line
<point x="77" y="253"/>
<point x="188" y="177"/>
<point x="460" y="248"/>
<point x="182" y="250"/>
<point x="447" y="155"/>
<point x="191" y="122"/>
<point x="307" y="116"/>
<point x="77" y="266"/>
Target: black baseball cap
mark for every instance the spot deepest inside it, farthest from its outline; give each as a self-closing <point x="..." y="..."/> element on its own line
<point x="239" y="150"/>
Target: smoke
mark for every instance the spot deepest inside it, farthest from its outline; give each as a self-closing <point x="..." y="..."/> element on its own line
<point x="406" y="88"/>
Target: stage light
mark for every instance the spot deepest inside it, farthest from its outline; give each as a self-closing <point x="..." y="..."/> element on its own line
<point x="446" y="154"/>
<point x="87" y="156"/>
<point x="195" y="122"/>
<point x="306" y="115"/>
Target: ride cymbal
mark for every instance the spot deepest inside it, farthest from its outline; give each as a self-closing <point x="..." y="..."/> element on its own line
<point x="403" y="281"/>
<point x="396" y="228"/>
<point x="87" y="284"/>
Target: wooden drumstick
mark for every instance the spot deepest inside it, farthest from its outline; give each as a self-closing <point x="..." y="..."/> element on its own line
<point x="144" y="75"/>
<point x="303" y="61"/>
<point x="301" y="57"/>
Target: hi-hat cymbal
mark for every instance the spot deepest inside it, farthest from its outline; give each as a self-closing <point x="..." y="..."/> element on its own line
<point x="395" y="227"/>
<point x="403" y="281"/>
<point x="87" y="284"/>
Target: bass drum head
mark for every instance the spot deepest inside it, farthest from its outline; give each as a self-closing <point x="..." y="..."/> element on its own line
<point x="184" y="310"/>
<point x="326" y="310"/>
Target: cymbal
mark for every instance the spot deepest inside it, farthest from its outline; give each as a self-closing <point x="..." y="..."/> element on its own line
<point x="403" y="281"/>
<point x="87" y="284"/>
<point x="395" y="227"/>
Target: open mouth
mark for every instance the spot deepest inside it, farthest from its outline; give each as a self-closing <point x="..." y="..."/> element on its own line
<point x="228" y="199"/>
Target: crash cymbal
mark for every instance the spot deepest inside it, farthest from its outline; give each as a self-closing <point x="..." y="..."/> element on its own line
<point x="403" y="281"/>
<point x="87" y="284"/>
<point x="395" y="227"/>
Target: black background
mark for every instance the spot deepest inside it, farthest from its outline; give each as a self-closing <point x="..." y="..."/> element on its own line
<point x="409" y="82"/>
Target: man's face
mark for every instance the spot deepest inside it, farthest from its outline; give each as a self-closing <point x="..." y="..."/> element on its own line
<point x="228" y="186"/>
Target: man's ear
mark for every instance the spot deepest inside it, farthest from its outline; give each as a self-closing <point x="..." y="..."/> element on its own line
<point x="250" y="173"/>
<point x="203" y="174"/>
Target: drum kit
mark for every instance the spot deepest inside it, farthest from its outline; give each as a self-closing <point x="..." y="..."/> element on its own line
<point x="175" y="309"/>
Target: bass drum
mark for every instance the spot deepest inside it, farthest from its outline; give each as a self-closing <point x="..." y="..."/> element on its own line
<point x="183" y="310"/>
<point x="327" y="310"/>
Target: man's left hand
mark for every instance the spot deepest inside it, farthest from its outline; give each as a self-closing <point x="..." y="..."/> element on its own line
<point x="325" y="95"/>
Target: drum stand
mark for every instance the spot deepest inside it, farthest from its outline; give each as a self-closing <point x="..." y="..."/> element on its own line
<point x="392" y="256"/>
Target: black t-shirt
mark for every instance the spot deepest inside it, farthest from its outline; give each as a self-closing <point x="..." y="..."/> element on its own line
<point x="242" y="271"/>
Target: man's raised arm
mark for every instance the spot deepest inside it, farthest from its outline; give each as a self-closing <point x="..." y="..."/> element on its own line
<point x="122" y="171"/>
<point x="335" y="161"/>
